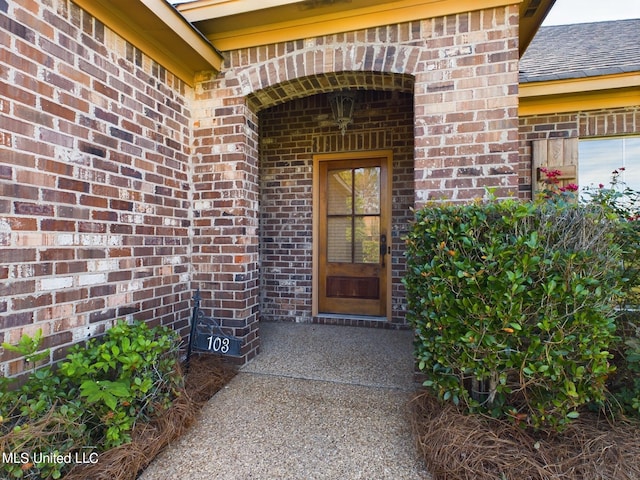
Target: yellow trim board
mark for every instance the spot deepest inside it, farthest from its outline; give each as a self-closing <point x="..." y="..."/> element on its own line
<point x="583" y="84"/>
<point x="576" y="94"/>
<point x="581" y="101"/>
<point x="357" y="19"/>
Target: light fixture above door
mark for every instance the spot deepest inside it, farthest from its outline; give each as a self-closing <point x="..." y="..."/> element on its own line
<point x="342" y="105"/>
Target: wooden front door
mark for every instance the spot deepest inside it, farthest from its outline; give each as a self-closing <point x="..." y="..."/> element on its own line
<point x="353" y="235"/>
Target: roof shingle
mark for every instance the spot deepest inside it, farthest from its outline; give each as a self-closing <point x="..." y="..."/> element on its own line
<point x="582" y="50"/>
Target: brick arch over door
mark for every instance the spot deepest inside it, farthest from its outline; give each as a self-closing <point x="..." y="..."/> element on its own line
<point x="464" y="72"/>
<point x="328" y="82"/>
<point x="388" y="49"/>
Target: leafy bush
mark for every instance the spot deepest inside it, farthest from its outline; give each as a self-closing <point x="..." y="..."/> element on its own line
<point x="512" y="304"/>
<point x="128" y="376"/>
<point x="631" y="394"/>
<point x="42" y="417"/>
<point x="624" y="202"/>
<point x="624" y="384"/>
<point x="94" y="398"/>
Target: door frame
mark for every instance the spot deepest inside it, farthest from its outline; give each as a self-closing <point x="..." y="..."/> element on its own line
<point x="387" y="159"/>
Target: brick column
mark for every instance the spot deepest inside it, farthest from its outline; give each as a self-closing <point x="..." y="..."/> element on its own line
<point x="466" y="107"/>
<point x="225" y="236"/>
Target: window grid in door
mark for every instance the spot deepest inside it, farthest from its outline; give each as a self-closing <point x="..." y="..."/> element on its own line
<point x="353" y="215"/>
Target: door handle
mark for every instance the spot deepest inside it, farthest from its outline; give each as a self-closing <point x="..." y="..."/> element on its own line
<point x="383" y="247"/>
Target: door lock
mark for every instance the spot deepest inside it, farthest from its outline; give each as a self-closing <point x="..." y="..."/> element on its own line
<point x="383" y="247"/>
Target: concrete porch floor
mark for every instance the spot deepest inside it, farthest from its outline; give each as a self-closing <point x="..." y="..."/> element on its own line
<point x="319" y="402"/>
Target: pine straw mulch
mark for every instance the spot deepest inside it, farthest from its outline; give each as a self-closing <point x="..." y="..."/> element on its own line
<point x="464" y="447"/>
<point x="205" y="377"/>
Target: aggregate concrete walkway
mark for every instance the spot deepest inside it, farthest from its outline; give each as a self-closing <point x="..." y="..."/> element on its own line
<point x="319" y="402"/>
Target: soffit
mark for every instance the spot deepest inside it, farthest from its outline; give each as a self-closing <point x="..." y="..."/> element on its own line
<point x="579" y="101"/>
<point x="532" y="14"/>
<point x="156" y="28"/>
<point x="234" y="24"/>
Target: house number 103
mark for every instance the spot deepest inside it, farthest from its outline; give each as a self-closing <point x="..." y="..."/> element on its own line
<point x="218" y="344"/>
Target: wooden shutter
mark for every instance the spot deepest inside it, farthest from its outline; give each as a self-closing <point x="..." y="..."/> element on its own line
<point x="554" y="154"/>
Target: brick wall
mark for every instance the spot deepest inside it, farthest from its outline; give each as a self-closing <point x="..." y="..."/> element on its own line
<point x="225" y="209"/>
<point x="610" y="122"/>
<point x="584" y="124"/>
<point x="291" y="133"/>
<point x="114" y="174"/>
<point x="467" y="106"/>
<point x="94" y="180"/>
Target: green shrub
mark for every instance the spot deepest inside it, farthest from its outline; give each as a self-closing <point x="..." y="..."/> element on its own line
<point x="624" y="386"/>
<point x="624" y="202"/>
<point x="93" y="399"/>
<point x="126" y="377"/>
<point x="512" y="304"/>
<point x="630" y="396"/>
<point x="43" y="416"/>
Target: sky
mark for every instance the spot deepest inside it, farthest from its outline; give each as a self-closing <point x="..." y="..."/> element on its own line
<point x="582" y="11"/>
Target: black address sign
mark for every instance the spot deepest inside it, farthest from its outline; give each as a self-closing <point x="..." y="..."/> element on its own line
<point x="216" y="343"/>
<point x="207" y="335"/>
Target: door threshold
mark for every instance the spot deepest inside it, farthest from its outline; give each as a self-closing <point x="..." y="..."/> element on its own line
<point x="354" y="317"/>
<point x="353" y="320"/>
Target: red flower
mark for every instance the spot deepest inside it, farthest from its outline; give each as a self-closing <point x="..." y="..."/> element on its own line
<point x="571" y="187"/>
<point x="551" y="175"/>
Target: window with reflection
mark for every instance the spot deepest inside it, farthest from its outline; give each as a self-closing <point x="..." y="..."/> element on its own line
<point x="599" y="157"/>
<point x="353" y="215"/>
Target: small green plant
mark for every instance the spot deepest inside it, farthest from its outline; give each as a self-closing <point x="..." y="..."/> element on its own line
<point x="29" y="348"/>
<point x="94" y="398"/>
<point x="126" y="377"/>
<point x="631" y="395"/>
<point x="624" y="386"/>
<point x="41" y="416"/>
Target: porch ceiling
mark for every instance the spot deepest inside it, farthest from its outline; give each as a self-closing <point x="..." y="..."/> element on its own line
<point x="230" y="25"/>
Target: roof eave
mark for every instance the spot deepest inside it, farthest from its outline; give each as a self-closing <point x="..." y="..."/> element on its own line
<point x="532" y="14"/>
<point x="585" y="93"/>
<point x="160" y="31"/>
<point x="268" y="30"/>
